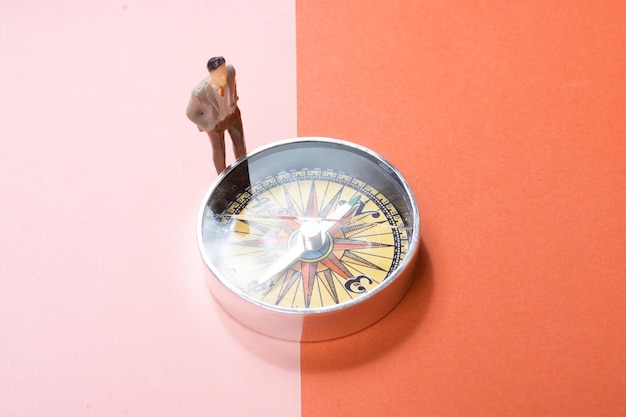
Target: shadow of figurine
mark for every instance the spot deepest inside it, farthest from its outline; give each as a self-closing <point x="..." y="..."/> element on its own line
<point x="213" y="108"/>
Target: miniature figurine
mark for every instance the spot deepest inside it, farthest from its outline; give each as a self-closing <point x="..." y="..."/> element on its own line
<point x="213" y="108"/>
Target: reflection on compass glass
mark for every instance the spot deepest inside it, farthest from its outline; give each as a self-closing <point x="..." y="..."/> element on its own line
<point x="308" y="225"/>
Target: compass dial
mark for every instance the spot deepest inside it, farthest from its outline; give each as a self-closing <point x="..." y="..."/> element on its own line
<point x="308" y="227"/>
<point x="355" y="254"/>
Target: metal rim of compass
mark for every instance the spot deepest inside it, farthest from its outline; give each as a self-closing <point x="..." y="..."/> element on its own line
<point x="268" y="318"/>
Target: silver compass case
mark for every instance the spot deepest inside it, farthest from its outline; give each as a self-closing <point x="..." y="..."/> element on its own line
<point x="309" y="239"/>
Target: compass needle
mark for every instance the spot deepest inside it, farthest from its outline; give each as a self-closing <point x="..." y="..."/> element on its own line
<point x="282" y="263"/>
<point x="299" y="248"/>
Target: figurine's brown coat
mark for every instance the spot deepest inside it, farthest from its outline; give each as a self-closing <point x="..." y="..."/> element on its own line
<point x="203" y="108"/>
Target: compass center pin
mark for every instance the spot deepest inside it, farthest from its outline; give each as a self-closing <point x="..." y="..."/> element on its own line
<point x="312" y="235"/>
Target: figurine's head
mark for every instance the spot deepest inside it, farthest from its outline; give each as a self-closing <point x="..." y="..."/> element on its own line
<point x="217" y="70"/>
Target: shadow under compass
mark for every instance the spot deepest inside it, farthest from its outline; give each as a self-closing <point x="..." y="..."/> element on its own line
<point x="378" y="339"/>
<point x="352" y="350"/>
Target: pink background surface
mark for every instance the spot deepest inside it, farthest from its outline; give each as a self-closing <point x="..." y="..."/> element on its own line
<point x="103" y="306"/>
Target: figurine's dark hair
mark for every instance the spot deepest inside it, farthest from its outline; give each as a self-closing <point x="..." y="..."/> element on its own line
<point x="215" y="62"/>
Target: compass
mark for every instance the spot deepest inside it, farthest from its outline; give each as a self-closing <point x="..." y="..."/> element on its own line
<point x="309" y="239"/>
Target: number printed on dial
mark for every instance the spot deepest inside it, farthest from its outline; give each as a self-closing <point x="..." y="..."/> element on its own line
<point x="358" y="238"/>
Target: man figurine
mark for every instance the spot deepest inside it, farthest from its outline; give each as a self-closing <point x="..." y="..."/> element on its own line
<point x="213" y="108"/>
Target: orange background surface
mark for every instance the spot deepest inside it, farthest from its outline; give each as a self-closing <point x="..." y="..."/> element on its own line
<point x="507" y="119"/>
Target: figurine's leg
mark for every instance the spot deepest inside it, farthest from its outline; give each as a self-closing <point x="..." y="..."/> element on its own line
<point x="236" y="134"/>
<point x="219" y="151"/>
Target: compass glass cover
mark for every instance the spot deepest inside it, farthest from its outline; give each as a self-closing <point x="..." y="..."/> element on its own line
<point x="308" y="225"/>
